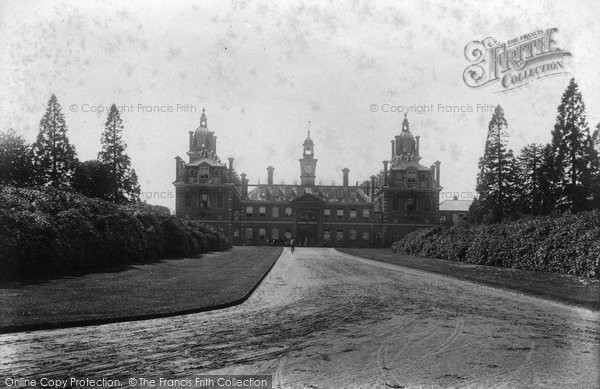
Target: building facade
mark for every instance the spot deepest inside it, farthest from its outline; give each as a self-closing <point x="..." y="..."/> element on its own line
<point x="404" y="196"/>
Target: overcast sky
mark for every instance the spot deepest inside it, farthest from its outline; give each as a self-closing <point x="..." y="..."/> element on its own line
<point x="263" y="69"/>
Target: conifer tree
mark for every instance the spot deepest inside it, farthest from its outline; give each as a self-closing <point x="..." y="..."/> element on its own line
<point x="54" y="157"/>
<point x="16" y="164"/>
<point x="573" y="151"/>
<point x="497" y="178"/>
<point x="123" y="180"/>
<point x="532" y="177"/>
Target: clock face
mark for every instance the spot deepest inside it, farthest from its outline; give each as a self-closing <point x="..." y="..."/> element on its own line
<point x="307" y="169"/>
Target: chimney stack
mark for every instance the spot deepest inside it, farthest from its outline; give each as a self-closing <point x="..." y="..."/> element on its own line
<point x="417" y="148"/>
<point x="345" y="171"/>
<point x="373" y="187"/>
<point x="178" y="168"/>
<point x="385" y="173"/>
<point x="244" y="186"/>
<point x="437" y="173"/>
<point x="191" y="139"/>
<point x="270" y="175"/>
<point x="230" y="168"/>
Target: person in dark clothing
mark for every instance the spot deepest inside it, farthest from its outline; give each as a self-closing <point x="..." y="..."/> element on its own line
<point x="292" y="244"/>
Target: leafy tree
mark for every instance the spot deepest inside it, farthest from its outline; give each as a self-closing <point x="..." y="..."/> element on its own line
<point x="16" y="164"/>
<point x="92" y="179"/>
<point x="497" y="178"/>
<point x="476" y="212"/>
<point x="123" y="179"/>
<point x="574" y="156"/>
<point x="55" y="158"/>
<point x="595" y="165"/>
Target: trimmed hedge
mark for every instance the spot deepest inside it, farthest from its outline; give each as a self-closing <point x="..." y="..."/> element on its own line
<point x="47" y="232"/>
<point x="567" y="244"/>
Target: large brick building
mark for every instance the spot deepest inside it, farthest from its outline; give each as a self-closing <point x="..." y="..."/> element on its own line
<point x="400" y="198"/>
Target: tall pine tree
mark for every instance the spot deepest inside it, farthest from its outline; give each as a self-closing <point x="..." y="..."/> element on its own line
<point x="537" y="186"/>
<point x="54" y="157"/>
<point x="573" y="152"/>
<point x="497" y="178"/>
<point x="123" y="179"/>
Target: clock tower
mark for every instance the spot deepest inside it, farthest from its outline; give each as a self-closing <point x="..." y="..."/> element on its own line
<point x="308" y="163"/>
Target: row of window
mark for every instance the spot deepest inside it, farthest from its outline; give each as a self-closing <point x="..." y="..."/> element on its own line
<point x="262" y="212"/>
<point x="327" y="234"/>
<point x="262" y="233"/>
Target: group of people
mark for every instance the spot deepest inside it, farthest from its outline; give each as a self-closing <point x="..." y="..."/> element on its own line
<point x="293" y="243"/>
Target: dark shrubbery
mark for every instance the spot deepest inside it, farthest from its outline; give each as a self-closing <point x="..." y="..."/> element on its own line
<point x="567" y="244"/>
<point x="48" y="232"/>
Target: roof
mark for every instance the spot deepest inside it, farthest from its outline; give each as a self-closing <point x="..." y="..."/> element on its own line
<point x="210" y="162"/>
<point x="330" y="194"/>
<point x="456" y="205"/>
<point x="398" y="164"/>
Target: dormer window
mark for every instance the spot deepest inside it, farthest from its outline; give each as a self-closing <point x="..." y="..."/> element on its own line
<point x="204" y="172"/>
<point x="411" y="179"/>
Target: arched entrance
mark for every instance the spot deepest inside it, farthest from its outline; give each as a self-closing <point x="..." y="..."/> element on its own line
<point x="307" y="228"/>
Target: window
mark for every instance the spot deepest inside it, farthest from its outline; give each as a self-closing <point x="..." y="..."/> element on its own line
<point x="340" y="213"/>
<point x="262" y="211"/>
<point x="352" y="234"/>
<point x="249" y="211"/>
<point x="353" y="214"/>
<point x="219" y="200"/>
<point x="327" y="235"/>
<point x="411" y="202"/>
<point x="288" y="234"/>
<point x="261" y="234"/>
<point x="366" y="212"/>
<point x="275" y="233"/>
<point x="203" y="172"/>
<point x="188" y="200"/>
<point x="288" y="211"/>
<point x="340" y="235"/>
<point x="411" y="178"/>
<point x="249" y="233"/>
<point x="327" y="212"/>
<point x="275" y="211"/>
<point x="204" y="200"/>
<point x="236" y="233"/>
<point x="395" y="201"/>
<point x="365" y="235"/>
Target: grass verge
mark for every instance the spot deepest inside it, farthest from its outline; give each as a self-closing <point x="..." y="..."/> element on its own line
<point x="161" y="289"/>
<point x="573" y="290"/>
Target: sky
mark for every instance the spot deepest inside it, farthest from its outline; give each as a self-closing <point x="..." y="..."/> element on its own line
<point x="263" y="69"/>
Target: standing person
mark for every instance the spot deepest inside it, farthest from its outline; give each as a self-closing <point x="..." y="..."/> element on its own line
<point x="292" y="245"/>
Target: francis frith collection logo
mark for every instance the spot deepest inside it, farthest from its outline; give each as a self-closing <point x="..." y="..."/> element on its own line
<point x="516" y="62"/>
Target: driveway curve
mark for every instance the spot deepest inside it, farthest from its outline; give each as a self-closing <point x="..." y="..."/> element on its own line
<point x="324" y="319"/>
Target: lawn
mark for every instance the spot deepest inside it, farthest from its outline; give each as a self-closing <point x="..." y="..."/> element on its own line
<point x="165" y="288"/>
<point x="580" y="291"/>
